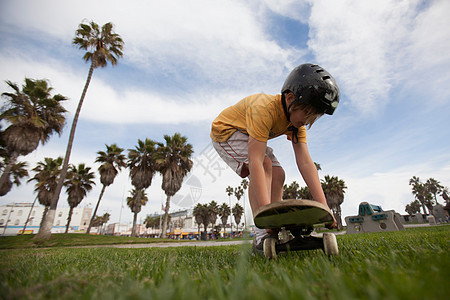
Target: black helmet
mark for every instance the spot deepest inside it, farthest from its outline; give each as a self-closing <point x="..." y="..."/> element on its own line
<point x="313" y="85"/>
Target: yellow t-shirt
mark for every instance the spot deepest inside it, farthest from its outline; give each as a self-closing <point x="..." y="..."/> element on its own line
<point x="261" y="116"/>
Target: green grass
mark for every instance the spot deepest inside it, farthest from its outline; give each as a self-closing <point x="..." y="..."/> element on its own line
<point x="71" y="240"/>
<point x="411" y="264"/>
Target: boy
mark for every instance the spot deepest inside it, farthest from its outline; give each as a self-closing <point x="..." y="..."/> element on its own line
<point x="241" y="131"/>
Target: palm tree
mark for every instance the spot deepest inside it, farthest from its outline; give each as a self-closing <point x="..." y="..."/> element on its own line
<point x="229" y="190"/>
<point x="46" y="176"/>
<point x="152" y="222"/>
<point x="421" y="193"/>
<point x="135" y="202"/>
<point x="291" y="191"/>
<point x="79" y="182"/>
<point x="334" y="189"/>
<point x="304" y="193"/>
<point x="173" y="162"/>
<point x="198" y="215"/>
<point x="142" y="164"/>
<point x="434" y="187"/>
<point x="18" y="171"/>
<point x="101" y="45"/>
<point x="224" y="213"/>
<point x="318" y="167"/>
<point x="445" y="194"/>
<point x="206" y="217"/>
<point x="244" y="185"/>
<point x="213" y="212"/>
<point x="238" y="193"/>
<point x="413" y="207"/>
<point x="237" y="214"/>
<point x="34" y="115"/>
<point x="111" y="160"/>
<point x="100" y="220"/>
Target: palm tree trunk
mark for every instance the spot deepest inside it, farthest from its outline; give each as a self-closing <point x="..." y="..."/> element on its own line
<point x="337" y="216"/>
<point x="424" y="210"/>
<point x="95" y="210"/>
<point x="45" y="230"/>
<point x="133" y="230"/>
<point x="136" y="206"/>
<point x="5" y="175"/>
<point x="166" y="217"/>
<point x="28" y="218"/>
<point x="43" y="216"/>
<point x="69" y="218"/>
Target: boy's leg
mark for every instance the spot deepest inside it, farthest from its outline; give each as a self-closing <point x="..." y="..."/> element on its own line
<point x="278" y="177"/>
<point x="235" y="153"/>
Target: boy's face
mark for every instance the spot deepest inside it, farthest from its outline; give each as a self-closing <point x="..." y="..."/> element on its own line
<point x="297" y="116"/>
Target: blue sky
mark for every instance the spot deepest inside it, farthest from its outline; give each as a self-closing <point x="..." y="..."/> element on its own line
<point x="185" y="61"/>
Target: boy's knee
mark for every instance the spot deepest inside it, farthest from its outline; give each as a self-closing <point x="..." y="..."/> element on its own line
<point x="278" y="175"/>
<point x="267" y="164"/>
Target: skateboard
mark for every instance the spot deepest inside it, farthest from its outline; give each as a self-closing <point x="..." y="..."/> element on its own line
<point x="298" y="217"/>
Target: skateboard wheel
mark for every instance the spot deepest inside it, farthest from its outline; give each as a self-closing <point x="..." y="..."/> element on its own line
<point x="269" y="248"/>
<point x="330" y="246"/>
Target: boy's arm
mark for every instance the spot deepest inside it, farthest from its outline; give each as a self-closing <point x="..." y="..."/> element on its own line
<point x="309" y="173"/>
<point x="256" y="156"/>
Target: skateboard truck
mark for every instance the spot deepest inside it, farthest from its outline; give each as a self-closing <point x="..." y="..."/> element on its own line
<point x="299" y="218"/>
<point x="327" y="243"/>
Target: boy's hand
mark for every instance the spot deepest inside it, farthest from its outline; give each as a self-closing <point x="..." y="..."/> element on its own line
<point x="331" y="226"/>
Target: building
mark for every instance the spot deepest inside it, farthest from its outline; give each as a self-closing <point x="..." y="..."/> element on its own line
<point x="14" y="215"/>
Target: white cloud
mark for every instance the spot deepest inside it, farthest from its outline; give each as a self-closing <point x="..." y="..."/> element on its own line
<point x="106" y="104"/>
<point x="206" y="41"/>
<point x="371" y="46"/>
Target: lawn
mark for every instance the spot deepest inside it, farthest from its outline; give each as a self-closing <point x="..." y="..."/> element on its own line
<point x="411" y="264"/>
<point x="71" y="240"/>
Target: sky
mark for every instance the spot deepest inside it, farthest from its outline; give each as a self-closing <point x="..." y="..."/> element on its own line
<point x="185" y="61"/>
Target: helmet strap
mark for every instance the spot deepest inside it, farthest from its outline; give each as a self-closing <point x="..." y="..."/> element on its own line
<point x="285" y="108"/>
<point x="288" y="117"/>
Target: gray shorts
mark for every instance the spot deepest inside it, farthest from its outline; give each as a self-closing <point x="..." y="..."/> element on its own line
<point x="235" y="153"/>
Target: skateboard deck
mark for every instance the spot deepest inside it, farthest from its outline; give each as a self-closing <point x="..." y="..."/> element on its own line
<point x="298" y="217"/>
<point x="292" y="214"/>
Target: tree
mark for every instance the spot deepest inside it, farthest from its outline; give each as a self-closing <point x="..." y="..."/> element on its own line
<point x="34" y="115"/>
<point x="413" y="207"/>
<point x="111" y="161"/>
<point x="318" y="167"/>
<point x="206" y="217"/>
<point x="135" y="202"/>
<point x="142" y="164"/>
<point x="291" y="191"/>
<point x="151" y="222"/>
<point x="304" y="193"/>
<point x="244" y="185"/>
<point x="173" y="162"/>
<point x="18" y="171"/>
<point x="434" y="187"/>
<point x="198" y="215"/>
<point x="224" y="213"/>
<point x="213" y="212"/>
<point x="78" y="183"/>
<point x="202" y="214"/>
<point x="100" y="220"/>
<point x="46" y="176"/>
<point x="229" y="190"/>
<point x="237" y="214"/>
<point x="334" y="189"/>
<point x="421" y="193"/>
<point x="445" y="194"/>
<point x="102" y="45"/>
